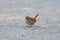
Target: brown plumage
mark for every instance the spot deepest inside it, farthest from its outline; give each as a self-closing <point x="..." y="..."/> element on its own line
<point x="31" y="20"/>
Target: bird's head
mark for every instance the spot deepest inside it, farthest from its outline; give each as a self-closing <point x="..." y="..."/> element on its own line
<point x="27" y="17"/>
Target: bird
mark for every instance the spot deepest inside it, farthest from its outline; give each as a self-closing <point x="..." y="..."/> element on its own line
<point x="31" y="20"/>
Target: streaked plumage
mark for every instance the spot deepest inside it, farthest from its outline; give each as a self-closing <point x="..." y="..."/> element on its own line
<point x="31" y="20"/>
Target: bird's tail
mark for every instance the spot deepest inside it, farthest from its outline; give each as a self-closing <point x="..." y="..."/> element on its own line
<point x="36" y="16"/>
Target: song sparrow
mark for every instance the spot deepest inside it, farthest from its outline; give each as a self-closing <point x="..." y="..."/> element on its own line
<point x="31" y="20"/>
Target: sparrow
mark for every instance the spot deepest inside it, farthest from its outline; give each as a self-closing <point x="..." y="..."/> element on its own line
<point x="31" y="20"/>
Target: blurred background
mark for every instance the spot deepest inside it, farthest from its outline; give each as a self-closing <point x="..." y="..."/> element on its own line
<point x="12" y="19"/>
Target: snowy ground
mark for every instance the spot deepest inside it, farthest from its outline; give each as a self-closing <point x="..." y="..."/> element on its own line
<point x="12" y="20"/>
<point x="29" y="33"/>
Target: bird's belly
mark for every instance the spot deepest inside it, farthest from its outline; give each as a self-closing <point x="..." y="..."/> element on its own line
<point x="29" y="22"/>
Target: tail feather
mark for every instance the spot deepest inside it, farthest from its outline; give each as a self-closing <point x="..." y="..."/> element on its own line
<point x="36" y="16"/>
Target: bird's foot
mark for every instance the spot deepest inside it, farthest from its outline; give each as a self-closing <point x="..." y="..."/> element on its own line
<point x="29" y="26"/>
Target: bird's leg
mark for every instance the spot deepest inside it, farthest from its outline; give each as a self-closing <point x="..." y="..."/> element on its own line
<point x="29" y="26"/>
